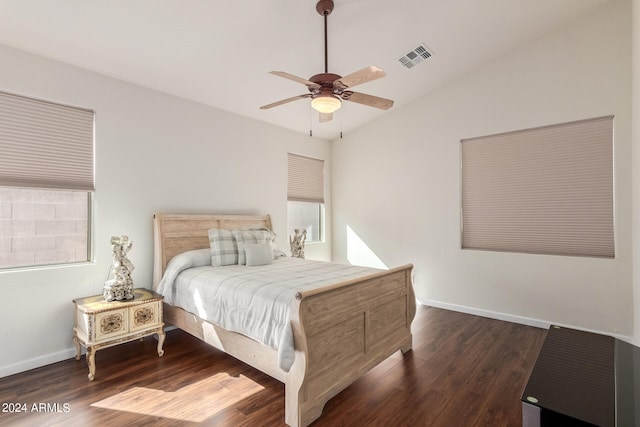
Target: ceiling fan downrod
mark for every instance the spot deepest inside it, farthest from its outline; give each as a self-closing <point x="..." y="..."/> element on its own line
<point x="324" y="8"/>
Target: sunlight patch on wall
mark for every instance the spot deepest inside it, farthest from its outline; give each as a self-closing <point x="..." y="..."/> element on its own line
<point x="358" y="253"/>
<point x="194" y="403"/>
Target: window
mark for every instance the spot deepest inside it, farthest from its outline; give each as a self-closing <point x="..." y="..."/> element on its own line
<point x="46" y="182"/>
<point x="547" y="190"/>
<point x="306" y="216"/>
<point x="305" y="196"/>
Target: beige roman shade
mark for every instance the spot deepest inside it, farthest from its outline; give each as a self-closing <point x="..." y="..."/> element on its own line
<point x="547" y="190"/>
<point x="306" y="179"/>
<point x="45" y="145"/>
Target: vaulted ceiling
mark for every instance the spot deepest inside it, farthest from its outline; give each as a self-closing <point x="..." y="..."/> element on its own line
<point x="220" y="53"/>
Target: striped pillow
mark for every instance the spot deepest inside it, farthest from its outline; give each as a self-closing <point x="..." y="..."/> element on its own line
<point x="224" y="249"/>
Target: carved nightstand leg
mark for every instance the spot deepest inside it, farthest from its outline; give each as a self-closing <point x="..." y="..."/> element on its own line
<point x="77" y="344"/>
<point x="91" y="361"/>
<point x="161" y="336"/>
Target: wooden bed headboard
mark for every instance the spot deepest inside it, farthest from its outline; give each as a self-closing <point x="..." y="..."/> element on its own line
<point x="174" y="234"/>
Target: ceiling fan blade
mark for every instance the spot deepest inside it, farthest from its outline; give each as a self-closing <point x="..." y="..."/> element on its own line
<point x="369" y="100"/>
<point x="284" y="101"/>
<point x="305" y="82"/>
<point x="326" y="117"/>
<point x="363" y="76"/>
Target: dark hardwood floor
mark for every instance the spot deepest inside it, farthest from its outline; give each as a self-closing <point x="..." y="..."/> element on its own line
<point x="464" y="370"/>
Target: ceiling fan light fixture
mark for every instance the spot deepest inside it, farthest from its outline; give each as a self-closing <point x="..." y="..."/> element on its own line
<point x="326" y="104"/>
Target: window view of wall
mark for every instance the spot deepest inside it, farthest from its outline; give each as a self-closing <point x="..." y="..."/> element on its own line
<point x="46" y="181"/>
<point x="305" y="216"/>
<point x="39" y="227"/>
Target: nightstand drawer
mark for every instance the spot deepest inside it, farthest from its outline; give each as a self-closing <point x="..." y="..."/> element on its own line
<point x="144" y="316"/>
<point x="111" y="324"/>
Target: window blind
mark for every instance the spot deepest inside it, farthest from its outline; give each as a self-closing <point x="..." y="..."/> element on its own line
<point x="547" y="190"/>
<point x="306" y="179"/>
<point x="45" y="145"/>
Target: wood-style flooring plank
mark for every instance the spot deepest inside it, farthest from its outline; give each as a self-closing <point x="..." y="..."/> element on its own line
<point x="463" y="370"/>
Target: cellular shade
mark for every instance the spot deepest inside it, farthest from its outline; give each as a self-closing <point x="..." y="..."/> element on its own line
<point x="306" y="179"/>
<point x="45" y="145"/>
<point x="547" y="190"/>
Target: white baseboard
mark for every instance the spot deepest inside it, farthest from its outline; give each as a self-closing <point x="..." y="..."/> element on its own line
<point x="48" y="359"/>
<point x="487" y="313"/>
<point x="37" y="362"/>
<point x="529" y="321"/>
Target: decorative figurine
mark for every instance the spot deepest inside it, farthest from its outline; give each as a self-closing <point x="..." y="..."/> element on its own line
<point x="121" y="286"/>
<point x="297" y="243"/>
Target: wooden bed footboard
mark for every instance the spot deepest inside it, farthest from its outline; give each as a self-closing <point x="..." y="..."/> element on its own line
<point x="340" y="333"/>
<point x="343" y="331"/>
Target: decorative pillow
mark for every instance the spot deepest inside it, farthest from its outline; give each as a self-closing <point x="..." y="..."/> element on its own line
<point x="258" y="254"/>
<point x="253" y="236"/>
<point x="224" y="249"/>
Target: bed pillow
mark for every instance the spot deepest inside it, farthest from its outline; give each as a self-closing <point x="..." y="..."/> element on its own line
<point x="258" y="254"/>
<point x="253" y="236"/>
<point x="224" y="249"/>
<point x="180" y="262"/>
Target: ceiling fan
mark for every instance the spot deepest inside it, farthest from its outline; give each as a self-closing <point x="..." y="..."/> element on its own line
<point x="327" y="90"/>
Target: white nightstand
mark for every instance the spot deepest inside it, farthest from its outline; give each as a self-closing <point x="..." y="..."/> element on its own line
<point x="102" y="324"/>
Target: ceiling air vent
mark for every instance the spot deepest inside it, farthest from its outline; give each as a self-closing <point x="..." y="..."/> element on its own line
<point x="416" y="56"/>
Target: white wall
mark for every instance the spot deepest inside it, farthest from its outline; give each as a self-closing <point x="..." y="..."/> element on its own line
<point x="154" y="153"/>
<point x="399" y="183"/>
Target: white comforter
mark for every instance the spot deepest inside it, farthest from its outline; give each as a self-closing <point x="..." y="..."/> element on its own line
<point x="254" y="301"/>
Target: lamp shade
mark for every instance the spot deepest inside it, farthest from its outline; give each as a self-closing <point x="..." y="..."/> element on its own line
<point x="326" y="104"/>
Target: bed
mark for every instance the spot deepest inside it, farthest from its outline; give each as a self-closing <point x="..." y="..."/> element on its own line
<point x="340" y="330"/>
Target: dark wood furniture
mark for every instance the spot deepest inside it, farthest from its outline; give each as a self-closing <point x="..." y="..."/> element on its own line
<point x="583" y="379"/>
